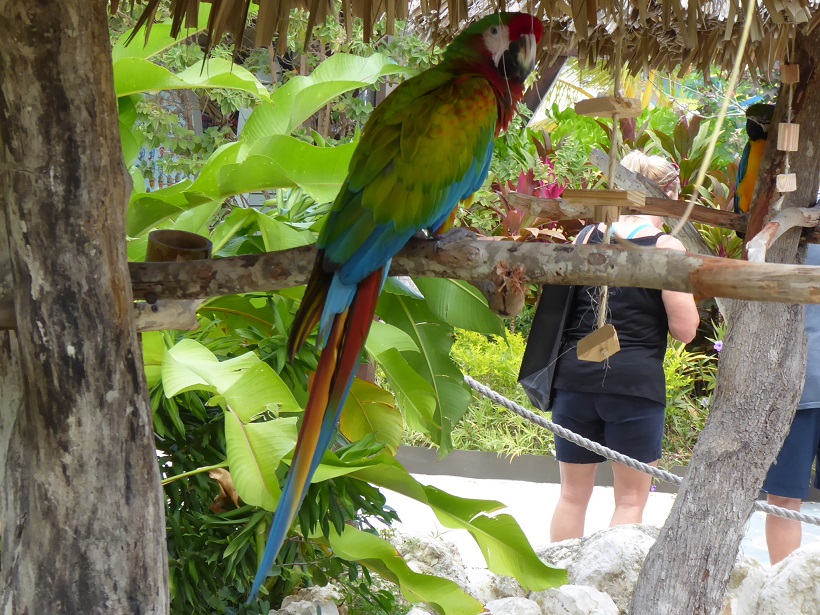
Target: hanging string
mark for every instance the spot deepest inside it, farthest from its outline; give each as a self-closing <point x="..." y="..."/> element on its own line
<point x="718" y="125"/>
<point x="614" y="146"/>
<point x="790" y="54"/>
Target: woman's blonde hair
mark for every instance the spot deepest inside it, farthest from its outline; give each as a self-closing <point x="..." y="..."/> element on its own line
<point x="656" y="168"/>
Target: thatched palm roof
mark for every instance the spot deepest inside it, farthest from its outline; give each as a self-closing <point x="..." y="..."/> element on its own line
<point x="665" y="34"/>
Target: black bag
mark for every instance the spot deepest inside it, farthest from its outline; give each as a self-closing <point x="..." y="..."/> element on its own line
<point x="545" y="339"/>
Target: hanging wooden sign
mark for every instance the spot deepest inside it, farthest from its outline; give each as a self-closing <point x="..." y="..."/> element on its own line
<point x="599" y="345"/>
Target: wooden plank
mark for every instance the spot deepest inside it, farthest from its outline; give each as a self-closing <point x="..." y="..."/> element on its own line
<point x="558" y="209"/>
<point x="606" y="106"/>
<point x="619" y="198"/>
<point x="599" y="345"/>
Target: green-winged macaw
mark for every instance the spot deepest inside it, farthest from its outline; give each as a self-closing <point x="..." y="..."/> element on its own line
<point x="758" y="117"/>
<point x="424" y="149"/>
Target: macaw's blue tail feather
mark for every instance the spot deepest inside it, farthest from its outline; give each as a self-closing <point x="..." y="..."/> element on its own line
<point x="331" y="385"/>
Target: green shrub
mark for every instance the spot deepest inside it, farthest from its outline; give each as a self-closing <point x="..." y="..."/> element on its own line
<point x="690" y="379"/>
<point x="494" y="361"/>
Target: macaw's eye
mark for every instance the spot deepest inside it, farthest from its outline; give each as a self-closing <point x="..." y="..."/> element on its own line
<point x="494" y="30"/>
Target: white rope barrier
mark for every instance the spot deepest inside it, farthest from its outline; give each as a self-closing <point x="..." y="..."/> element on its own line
<point x="615" y="455"/>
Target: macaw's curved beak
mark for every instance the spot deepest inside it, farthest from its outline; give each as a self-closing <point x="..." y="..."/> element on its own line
<point x="519" y="60"/>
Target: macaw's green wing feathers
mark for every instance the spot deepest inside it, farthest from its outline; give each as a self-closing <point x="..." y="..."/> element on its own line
<point x="415" y="162"/>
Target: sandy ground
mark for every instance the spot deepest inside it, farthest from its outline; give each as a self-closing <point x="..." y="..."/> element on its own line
<point x="532" y="504"/>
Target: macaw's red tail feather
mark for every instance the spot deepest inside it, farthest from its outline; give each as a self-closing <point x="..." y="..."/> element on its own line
<point x="310" y="309"/>
<point x="330" y="388"/>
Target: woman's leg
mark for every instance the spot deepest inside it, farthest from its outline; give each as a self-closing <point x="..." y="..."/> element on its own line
<point x="577" y="482"/>
<point x="782" y="535"/>
<point x="631" y="494"/>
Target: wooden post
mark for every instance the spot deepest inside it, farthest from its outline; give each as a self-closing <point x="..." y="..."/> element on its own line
<point x="762" y="367"/>
<point x="82" y="507"/>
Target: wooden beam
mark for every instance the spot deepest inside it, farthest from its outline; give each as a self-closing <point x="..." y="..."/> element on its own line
<point x="539" y="89"/>
<point x="557" y="209"/>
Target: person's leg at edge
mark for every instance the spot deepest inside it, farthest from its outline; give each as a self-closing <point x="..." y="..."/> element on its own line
<point x="631" y="494"/>
<point x="577" y="482"/>
<point x="782" y="535"/>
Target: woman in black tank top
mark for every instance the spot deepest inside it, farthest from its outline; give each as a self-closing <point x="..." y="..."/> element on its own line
<point x="621" y="402"/>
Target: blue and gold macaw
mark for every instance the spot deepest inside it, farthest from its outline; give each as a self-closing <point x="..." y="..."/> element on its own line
<point x="758" y="118"/>
<point x="427" y="147"/>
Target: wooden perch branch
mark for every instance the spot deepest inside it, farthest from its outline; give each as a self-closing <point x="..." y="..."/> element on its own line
<point x="169" y="286"/>
<point x="794" y="217"/>
<point x="476" y="260"/>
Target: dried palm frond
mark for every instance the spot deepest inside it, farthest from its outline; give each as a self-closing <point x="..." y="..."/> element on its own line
<point x="654" y="34"/>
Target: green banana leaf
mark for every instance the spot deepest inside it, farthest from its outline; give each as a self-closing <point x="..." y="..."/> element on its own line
<point x="433" y="363"/>
<point x="140" y="76"/>
<point x="461" y="305"/>
<point x="378" y="555"/>
<point x="160" y="39"/>
<point x="501" y="540"/>
<point x="301" y="97"/>
<point x="371" y="410"/>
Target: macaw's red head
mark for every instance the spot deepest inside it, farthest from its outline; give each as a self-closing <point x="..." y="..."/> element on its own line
<point x="501" y="47"/>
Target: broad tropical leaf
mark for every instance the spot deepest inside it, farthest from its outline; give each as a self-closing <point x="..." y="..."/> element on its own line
<point x="369" y="409"/>
<point x="139" y="76"/>
<point x="254" y="451"/>
<point x="301" y="97"/>
<point x="381" y="557"/>
<point x="461" y="305"/>
<point x="500" y="538"/>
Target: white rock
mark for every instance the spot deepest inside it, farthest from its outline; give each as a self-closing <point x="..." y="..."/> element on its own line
<point x="311" y="601"/>
<point x="611" y="560"/>
<point x="513" y="606"/>
<point x="561" y="554"/>
<point x="743" y="591"/>
<point x="486" y="586"/>
<point x="792" y="585"/>
<point x="574" y="600"/>
<point x="428" y="555"/>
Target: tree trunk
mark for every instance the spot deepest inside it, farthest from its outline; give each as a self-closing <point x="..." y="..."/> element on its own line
<point x="761" y="373"/>
<point x="81" y="503"/>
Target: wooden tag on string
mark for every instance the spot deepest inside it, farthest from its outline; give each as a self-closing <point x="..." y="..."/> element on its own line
<point x="599" y="345"/>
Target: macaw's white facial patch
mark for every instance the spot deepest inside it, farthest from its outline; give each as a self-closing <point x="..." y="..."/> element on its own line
<point x="497" y="40"/>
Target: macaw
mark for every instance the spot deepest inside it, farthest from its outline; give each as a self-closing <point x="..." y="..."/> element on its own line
<point x="424" y="149"/>
<point x="758" y="117"/>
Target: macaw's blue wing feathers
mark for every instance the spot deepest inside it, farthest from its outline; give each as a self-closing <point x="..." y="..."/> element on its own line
<point x="331" y="385"/>
<point x="741" y="173"/>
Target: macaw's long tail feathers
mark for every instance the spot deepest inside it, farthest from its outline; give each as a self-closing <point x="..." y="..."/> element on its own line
<point x="331" y="385"/>
<point x="310" y="309"/>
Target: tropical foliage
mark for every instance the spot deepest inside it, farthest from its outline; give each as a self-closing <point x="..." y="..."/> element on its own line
<point x="227" y="401"/>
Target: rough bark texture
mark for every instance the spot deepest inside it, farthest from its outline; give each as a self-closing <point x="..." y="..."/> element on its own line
<point x="11" y="380"/>
<point x="81" y="502"/>
<point x="761" y="374"/>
